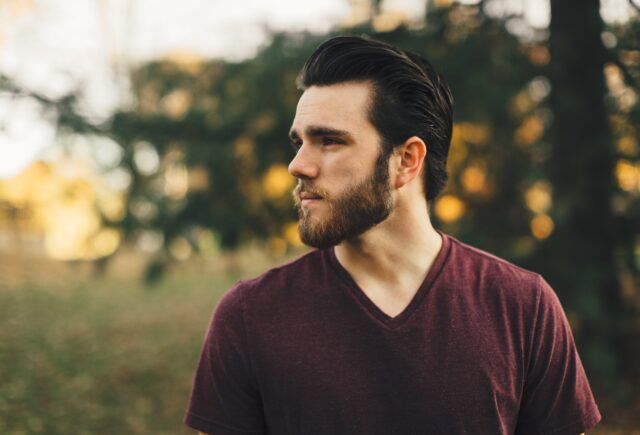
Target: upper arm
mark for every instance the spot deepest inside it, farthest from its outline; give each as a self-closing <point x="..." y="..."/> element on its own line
<point x="225" y="397"/>
<point x="556" y="391"/>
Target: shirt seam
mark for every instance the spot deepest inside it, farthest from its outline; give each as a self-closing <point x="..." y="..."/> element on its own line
<point x="491" y="256"/>
<point x="534" y="327"/>
<point x="583" y="420"/>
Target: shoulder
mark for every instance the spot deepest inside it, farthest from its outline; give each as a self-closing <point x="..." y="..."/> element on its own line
<point x="491" y="278"/>
<point x="303" y="265"/>
<point x="278" y="283"/>
<point x="490" y="267"/>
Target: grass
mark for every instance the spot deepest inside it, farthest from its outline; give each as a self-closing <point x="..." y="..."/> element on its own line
<point x="102" y="357"/>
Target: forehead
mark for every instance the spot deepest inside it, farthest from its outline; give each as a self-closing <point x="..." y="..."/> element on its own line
<point x="343" y="106"/>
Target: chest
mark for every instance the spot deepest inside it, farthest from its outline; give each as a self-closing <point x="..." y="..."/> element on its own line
<point x="430" y="372"/>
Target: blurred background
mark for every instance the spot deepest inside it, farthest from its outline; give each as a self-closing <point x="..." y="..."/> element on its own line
<point x="143" y="156"/>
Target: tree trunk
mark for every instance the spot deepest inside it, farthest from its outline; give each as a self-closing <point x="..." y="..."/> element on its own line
<point x="581" y="250"/>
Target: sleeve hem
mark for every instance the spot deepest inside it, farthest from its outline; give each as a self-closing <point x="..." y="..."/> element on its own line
<point x="577" y="427"/>
<point x="212" y="427"/>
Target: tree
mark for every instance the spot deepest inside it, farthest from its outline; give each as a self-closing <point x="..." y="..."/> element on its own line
<point x="580" y="257"/>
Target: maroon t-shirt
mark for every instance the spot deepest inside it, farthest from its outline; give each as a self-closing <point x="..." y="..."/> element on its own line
<point x="484" y="347"/>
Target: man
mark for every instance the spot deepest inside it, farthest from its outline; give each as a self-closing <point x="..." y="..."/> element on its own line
<point x="390" y="326"/>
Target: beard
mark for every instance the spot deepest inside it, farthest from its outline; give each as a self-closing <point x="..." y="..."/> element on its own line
<point x="359" y="208"/>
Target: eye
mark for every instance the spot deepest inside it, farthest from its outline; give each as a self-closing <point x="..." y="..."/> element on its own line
<point x="331" y="141"/>
<point x="296" y="144"/>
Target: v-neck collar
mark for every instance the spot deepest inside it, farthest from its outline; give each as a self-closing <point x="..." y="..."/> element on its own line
<point x="368" y="305"/>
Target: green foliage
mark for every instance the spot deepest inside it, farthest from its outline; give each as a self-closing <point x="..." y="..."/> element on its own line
<point x="238" y="116"/>
<point x="234" y="128"/>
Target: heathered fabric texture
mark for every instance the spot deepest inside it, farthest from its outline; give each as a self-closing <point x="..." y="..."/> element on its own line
<point x="484" y="347"/>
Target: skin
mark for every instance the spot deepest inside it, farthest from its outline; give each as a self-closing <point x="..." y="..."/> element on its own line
<point x="390" y="260"/>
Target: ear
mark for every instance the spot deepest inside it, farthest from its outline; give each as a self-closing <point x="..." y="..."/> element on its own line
<point x="411" y="155"/>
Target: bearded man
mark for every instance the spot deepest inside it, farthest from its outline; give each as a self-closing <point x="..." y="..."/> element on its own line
<point x="390" y="326"/>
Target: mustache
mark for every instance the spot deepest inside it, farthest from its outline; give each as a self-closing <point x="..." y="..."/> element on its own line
<point x="304" y="186"/>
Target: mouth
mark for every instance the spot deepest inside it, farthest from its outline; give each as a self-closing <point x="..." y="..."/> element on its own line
<point x="308" y="198"/>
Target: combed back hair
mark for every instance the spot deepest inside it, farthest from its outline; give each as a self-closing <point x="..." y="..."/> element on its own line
<point x="409" y="97"/>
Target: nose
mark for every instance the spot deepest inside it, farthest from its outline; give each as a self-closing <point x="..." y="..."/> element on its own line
<point x="304" y="164"/>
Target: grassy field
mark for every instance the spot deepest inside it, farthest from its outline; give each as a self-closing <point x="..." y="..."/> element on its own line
<point x="108" y="355"/>
<point x="102" y="357"/>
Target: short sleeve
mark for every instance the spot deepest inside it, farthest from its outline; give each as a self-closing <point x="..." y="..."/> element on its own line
<point x="225" y="399"/>
<point x="557" y="398"/>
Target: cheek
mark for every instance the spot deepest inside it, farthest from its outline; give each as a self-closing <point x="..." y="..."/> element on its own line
<point x="349" y="166"/>
<point x="339" y="170"/>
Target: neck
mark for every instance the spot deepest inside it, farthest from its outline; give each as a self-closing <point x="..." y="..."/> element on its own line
<point x="399" y="249"/>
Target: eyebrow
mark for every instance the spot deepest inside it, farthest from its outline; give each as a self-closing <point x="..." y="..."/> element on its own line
<point x="321" y="131"/>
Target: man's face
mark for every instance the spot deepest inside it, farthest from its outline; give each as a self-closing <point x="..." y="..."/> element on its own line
<point x="343" y="180"/>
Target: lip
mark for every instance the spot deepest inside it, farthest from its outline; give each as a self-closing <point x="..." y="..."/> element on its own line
<point x="306" y="202"/>
<point x="309" y="195"/>
<point x="308" y="198"/>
